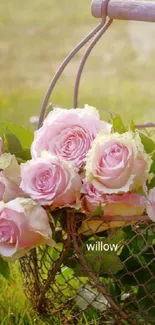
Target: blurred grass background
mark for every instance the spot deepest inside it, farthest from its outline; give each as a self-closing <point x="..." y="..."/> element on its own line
<point x="35" y="36"/>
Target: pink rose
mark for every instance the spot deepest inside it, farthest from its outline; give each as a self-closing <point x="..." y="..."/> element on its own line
<point x="50" y="181"/>
<point x="117" y="163"/>
<point x="1" y="146"/>
<point x="23" y="225"/>
<point x="68" y="134"/>
<point x="125" y="205"/>
<point x="9" y="178"/>
<point x="9" y="190"/>
<point x="92" y="199"/>
<point x="94" y="225"/>
<point x="151" y="204"/>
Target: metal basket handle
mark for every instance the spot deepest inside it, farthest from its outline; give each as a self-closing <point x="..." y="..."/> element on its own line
<point x="114" y="9"/>
<point x="125" y="10"/>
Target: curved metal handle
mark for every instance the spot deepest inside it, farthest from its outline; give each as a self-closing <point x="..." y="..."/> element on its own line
<point x="84" y="59"/>
<point x="64" y="65"/>
<point x="125" y="9"/>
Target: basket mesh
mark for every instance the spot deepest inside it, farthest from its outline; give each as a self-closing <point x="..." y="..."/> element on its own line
<point x="110" y="287"/>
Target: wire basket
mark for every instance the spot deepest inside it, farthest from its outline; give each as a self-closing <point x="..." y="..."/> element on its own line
<point x="110" y="292"/>
<point x="77" y="276"/>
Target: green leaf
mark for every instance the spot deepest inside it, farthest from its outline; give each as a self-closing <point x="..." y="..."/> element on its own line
<point x="12" y="143"/>
<point x="98" y="212"/>
<point x="124" y="322"/>
<point x="148" y="143"/>
<point x="118" y="125"/>
<point x="24" y="154"/>
<point x="17" y="140"/>
<point x="105" y="262"/>
<point x="116" y="238"/>
<point x="91" y="314"/>
<point x="24" y="136"/>
<point x="132" y="126"/>
<point x="129" y="232"/>
<point x="4" y="269"/>
<point x="54" y="252"/>
<point x="130" y="260"/>
<point x="152" y="170"/>
<point x="115" y="291"/>
<point x="133" y="273"/>
<point x="102" y="261"/>
<point x="145" y="299"/>
<point x="136" y="245"/>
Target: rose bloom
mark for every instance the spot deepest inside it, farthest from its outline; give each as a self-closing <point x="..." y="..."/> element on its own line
<point x="127" y="204"/>
<point x="151" y="204"/>
<point x="68" y="134"/>
<point x="9" y="190"/>
<point x="50" y="181"/>
<point x="94" y="225"/>
<point x="23" y="225"/>
<point x="117" y="163"/>
<point x="10" y="167"/>
<point x="9" y="178"/>
<point x="92" y="199"/>
<point x="123" y="205"/>
<point x="1" y="146"/>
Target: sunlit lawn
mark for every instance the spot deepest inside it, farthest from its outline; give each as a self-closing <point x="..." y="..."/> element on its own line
<point x="35" y="36"/>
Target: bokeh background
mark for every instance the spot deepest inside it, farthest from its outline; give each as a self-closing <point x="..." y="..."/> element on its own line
<point x="35" y="36"/>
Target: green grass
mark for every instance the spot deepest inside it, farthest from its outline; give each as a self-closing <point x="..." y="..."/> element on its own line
<point x="35" y="36"/>
<point x="16" y="310"/>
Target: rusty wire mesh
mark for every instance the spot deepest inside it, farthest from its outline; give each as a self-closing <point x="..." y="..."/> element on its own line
<point x="111" y="288"/>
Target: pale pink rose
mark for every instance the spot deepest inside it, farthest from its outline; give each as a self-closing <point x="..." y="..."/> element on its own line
<point x="68" y="134"/>
<point x="125" y="205"/>
<point x="50" y="181"/>
<point x="93" y="198"/>
<point x="9" y="178"/>
<point x="10" y="167"/>
<point x="23" y="225"/>
<point x="151" y="204"/>
<point x="1" y="146"/>
<point x="94" y="225"/>
<point x="117" y="163"/>
<point x="9" y="190"/>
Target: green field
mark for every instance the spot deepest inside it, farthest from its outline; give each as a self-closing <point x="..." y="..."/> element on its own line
<point x="35" y="36"/>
